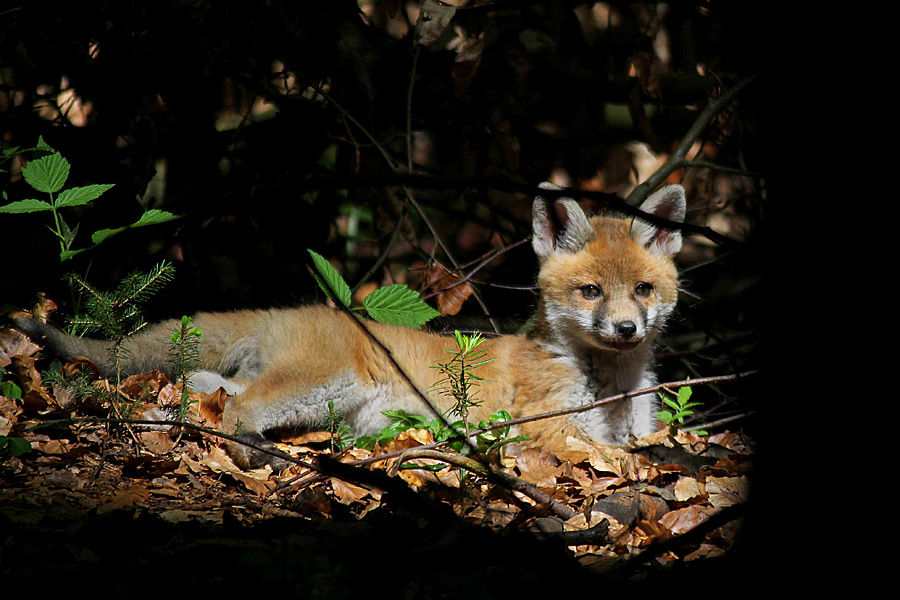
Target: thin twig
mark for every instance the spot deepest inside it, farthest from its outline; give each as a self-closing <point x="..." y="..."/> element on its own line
<point x="481" y="263"/>
<point x="678" y="157"/>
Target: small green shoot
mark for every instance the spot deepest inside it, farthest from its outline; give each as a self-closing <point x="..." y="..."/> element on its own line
<point x="681" y="407"/>
<point x="341" y="435"/>
<point x="458" y="378"/>
<point x="401" y="421"/>
<point x="185" y="354"/>
<point x="117" y="314"/>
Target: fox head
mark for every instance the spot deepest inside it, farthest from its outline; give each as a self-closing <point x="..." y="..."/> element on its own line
<point x="607" y="283"/>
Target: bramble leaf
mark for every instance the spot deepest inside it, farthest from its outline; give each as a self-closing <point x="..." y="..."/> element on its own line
<point x="154" y="217"/>
<point x="26" y="206"/>
<point x="80" y="195"/>
<point x="398" y="305"/>
<point x="47" y="174"/>
<point x="329" y="279"/>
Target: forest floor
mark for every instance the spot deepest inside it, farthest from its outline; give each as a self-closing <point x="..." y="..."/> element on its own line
<point x="140" y="510"/>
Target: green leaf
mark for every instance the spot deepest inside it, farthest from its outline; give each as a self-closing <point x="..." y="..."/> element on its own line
<point x="664" y="416"/>
<point x="80" y="195"/>
<point x="102" y="234"/>
<point x="398" y="305"/>
<point x="10" y="390"/>
<point x="151" y="217"/>
<point x="66" y="234"/>
<point x="403" y="419"/>
<point x="154" y="217"/>
<point x="331" y="280"/>
<point x="43" y="146"/>
<point x="26" y="206"/>
<point x="47" y="174"/>
<point x="18" y="446"/>
<point x="67" y="254"/>
<point x="670" y="402"/>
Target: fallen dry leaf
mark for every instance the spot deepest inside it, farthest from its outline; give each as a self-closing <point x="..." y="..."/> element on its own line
<point x="256" y="481"/>
<point x="684" y="519"/>
<point x="727" y="491"/>
<point x="538" y="466"/>
<point x="124" y="498"/>
<point x="13" y="343"/>
<point x="687" y="488"/>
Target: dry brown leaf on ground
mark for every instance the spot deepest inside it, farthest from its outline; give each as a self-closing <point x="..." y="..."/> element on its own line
<point x="349" y="493"/>
<point x="35" y="398"/>
<point x="13" y="343"/>
<point x="257" y="480"/>
<point x="727" y="491"/>
<point x="124" y="498"/>
<point x="685" y="519"/>
<point x="144" y="386"/>
<point x="539" y="467"/>
<point x="688" y="488"/>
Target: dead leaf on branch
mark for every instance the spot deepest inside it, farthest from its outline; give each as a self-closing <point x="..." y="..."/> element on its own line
<point x="449" y="287"/>
<point x="433" y="23"/>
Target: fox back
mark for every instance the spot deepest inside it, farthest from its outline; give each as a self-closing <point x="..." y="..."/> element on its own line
<point x="606" y="285"/>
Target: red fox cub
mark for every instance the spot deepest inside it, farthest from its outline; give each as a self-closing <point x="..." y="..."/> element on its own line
<point x="606" y="284"/>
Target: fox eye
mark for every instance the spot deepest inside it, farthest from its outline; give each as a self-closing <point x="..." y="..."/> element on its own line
<point x="590" y="291"/>
<point x="643" y="289"/>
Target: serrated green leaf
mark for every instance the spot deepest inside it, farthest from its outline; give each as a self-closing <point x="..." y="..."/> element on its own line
<point x="80" y="195"/>
<point x="47" y="174"/>
<point x="664" y="416"/>
<point x="25" y="206"/>
<point x="67" y="234"/>
<point x="398" y="305"/>
<point x="102" y="234"/>
<point x="329" y="279"/>
<point x="44" y="146"/>
<point x="67" y="254"/>
<point x="154" y="217"/>
<point x="670" y="402"/>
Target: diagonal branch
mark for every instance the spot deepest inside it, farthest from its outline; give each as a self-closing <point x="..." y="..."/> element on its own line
<point x="678" y="158"/>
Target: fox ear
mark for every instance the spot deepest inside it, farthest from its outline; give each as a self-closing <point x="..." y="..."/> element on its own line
<point x="558" y="225"/>
<point x="669" y="203"/>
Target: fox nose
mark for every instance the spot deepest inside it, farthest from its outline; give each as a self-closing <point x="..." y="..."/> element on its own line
<point x="626" y="329"/>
